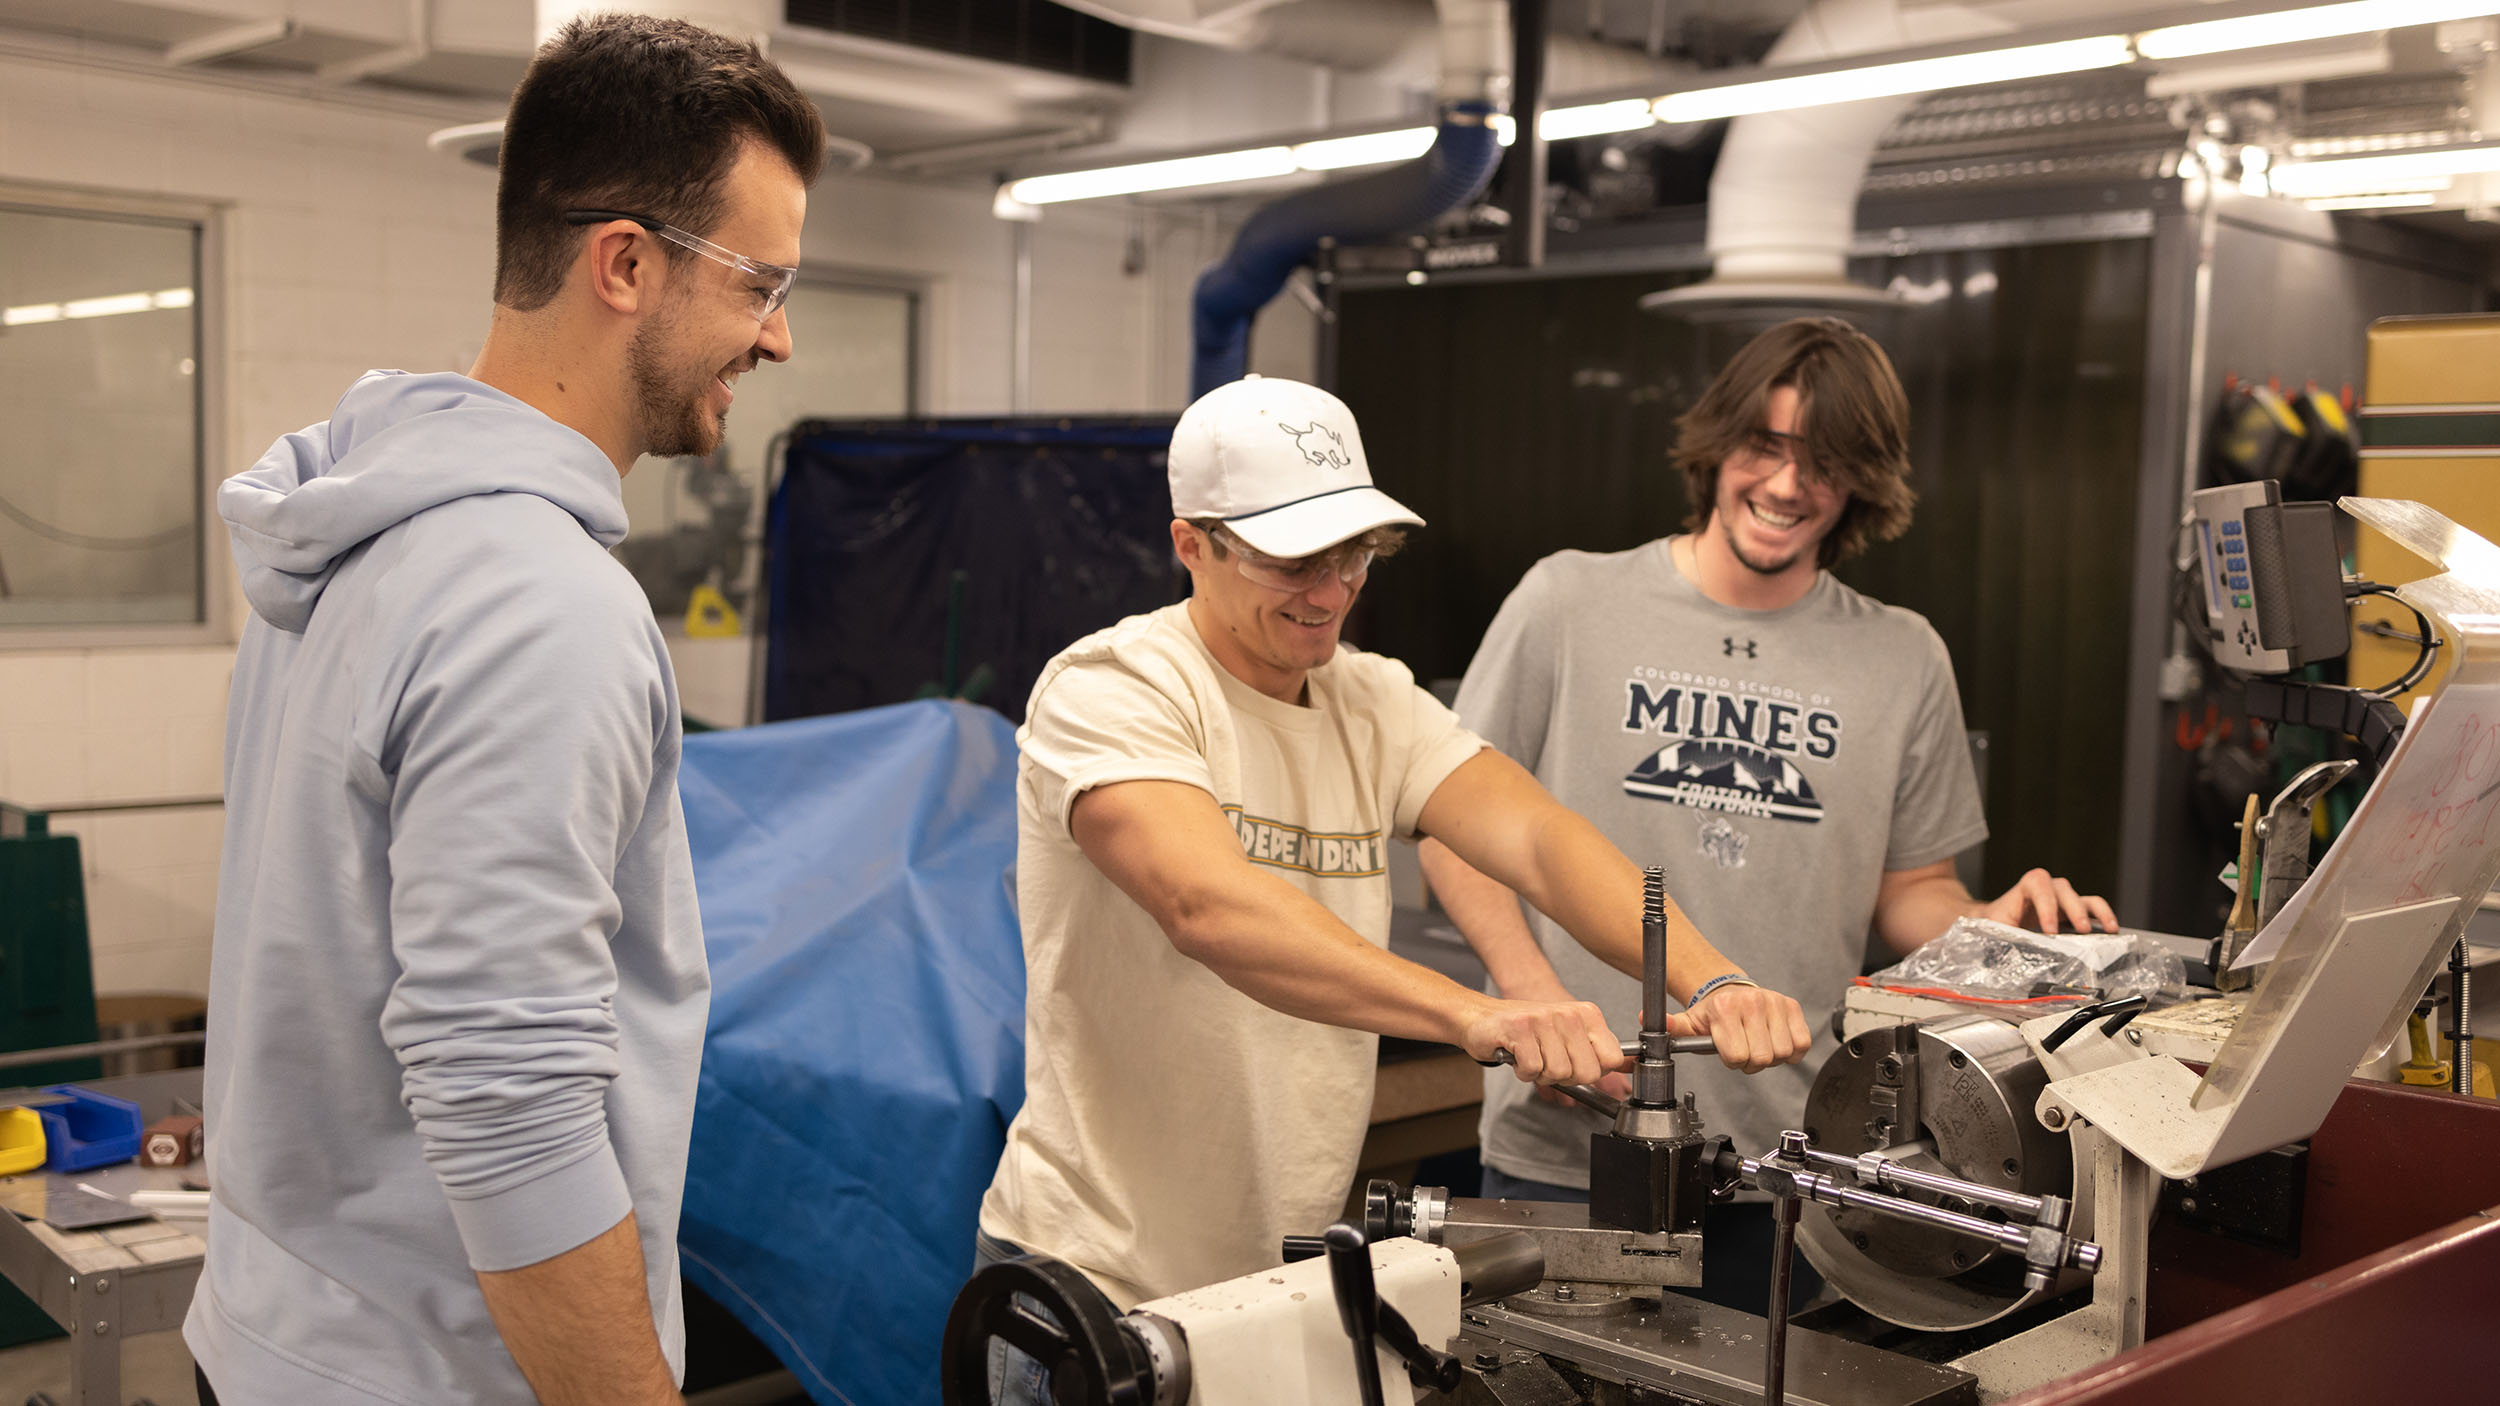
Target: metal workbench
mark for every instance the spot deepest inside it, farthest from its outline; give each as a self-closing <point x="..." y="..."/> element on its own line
<point x="105" y="1283"/>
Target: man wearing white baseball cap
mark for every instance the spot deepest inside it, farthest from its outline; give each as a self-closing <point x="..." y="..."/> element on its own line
<point x="1204" y="802"/>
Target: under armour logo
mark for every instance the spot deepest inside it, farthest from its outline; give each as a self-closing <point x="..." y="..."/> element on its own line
<point x="1730" y="647"/>
<point x="1328" y="454"/>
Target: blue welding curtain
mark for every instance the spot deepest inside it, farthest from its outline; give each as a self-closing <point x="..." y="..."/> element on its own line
<point x="867" y="1036"/>
<point x="953" y="558"/>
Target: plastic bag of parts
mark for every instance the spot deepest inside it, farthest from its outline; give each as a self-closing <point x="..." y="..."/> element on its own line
<point x="1991" y="963"/>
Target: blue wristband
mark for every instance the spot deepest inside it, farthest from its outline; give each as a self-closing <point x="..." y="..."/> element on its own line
<point x="1714" y="983"/>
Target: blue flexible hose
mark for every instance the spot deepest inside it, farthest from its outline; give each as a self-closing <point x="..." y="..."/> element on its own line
<point x="1280" y="236"/>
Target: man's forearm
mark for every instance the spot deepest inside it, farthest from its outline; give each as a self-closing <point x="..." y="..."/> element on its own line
<point x="1285" y="950"/>
<point x="1488" y="915"/>
<point x="1911" y="915"/>
<point x="579" y="1325"/>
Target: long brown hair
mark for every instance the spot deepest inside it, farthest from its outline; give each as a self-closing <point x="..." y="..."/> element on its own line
<point x="1853" y="425"/>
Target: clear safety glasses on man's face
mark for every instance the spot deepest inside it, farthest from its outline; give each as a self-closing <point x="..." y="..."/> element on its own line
<point x="767" y="284"/>
<point x="1348" y="563"/>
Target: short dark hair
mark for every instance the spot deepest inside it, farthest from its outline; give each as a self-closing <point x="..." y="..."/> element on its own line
<point x="1854" y="425"/>
<point x="627" y="112"/>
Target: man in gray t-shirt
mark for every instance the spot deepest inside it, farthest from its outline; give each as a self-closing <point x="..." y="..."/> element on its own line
<point x="1717" y="702"/>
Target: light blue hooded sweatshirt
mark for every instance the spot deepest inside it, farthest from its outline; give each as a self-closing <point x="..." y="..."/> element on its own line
<point x="458" y="992"/>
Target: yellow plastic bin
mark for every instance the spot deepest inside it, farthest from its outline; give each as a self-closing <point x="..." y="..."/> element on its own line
<point x="21" y="1141"/>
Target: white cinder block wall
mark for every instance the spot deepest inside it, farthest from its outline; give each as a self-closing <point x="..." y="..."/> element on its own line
<point x="352" y="246"/>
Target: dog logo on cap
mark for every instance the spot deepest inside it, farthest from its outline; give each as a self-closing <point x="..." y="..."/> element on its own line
<point x="1330" y="455"/>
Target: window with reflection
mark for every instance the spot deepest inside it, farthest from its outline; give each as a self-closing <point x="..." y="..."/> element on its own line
<point x="100" y="467"/>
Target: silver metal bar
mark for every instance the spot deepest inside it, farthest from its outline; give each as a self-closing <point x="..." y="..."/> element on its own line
<point x="1814" y="1186"/>
<point x="18" y="1058"/>
<point x="1020" y="320"/>
<point x="1891" y="1174"/>
<point x="1594" y="1099"/>
<point x="95" y="1334"/>
<point x="1676" y="1044"/>
<point x="1705" y="1353"/>
<point x="1775" y="1345"/>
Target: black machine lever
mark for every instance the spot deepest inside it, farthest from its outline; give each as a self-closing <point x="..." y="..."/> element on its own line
<point x="2119" y="1012"/>
<point x="1358" y="1303"/>
<point x="1372" y="1322"/>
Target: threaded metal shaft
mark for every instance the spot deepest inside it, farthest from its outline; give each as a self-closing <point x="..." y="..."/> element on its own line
<point x="1653" y="949"/>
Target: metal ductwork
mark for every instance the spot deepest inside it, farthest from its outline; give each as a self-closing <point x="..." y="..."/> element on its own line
<point x="1471" y="46"/>
<point x="1388" y="39"/>
<point x="1475" y="48"/>
<point x="1784" y="195"/>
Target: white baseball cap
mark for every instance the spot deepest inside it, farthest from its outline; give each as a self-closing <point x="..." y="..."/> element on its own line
<point x="1281" y="463"/>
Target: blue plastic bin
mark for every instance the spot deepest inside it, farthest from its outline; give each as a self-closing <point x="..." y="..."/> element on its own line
<point x="91" y="1130"/>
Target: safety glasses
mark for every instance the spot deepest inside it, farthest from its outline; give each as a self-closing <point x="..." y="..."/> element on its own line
<point x="1348" y="563"/>
<point x="767" y="284"/>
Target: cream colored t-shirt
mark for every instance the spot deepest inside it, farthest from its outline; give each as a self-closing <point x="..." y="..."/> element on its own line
<point x="1173" y="1129"/>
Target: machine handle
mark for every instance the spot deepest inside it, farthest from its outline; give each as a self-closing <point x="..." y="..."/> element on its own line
<point x="1680" y="1044"/>
<point x="2119" y="1011"/>
<point x="1358" y="1303"/>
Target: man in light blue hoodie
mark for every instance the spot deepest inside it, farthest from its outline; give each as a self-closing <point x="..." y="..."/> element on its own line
<point x="458" y="993"/>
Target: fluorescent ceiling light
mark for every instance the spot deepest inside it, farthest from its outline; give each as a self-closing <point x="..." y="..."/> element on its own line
<point x="1369" y="149"/>
<point x="32" y="313"/>
<point x="109" y="307"/>
<point x="1840" y="85"/>
<point x="1326" y="154"/>
<point x="2293" y="26"/>
<point x="2393" y="172"/>
<point x="1558" y="124"/>
<point x="1563" y="123"/>
<point x="1892" y="80"/>
<point x="2374" y="202"/>
<point x="1178" y="174"/>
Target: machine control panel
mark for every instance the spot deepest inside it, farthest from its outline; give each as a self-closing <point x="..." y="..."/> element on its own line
<point x="2270" y="577"/>
<point x="2221" y="534"/>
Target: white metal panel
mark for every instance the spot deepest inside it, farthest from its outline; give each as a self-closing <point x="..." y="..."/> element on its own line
<point x="1274" y="1338"/>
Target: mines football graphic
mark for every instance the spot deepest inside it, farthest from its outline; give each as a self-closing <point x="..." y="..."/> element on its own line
<point x="1726" y="776"/>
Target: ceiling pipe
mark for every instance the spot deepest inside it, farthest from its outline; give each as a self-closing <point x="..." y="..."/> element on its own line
<point x="1784" y="194"/>
<point x="1475" y="88"/>
<point x="1384" y="39"/>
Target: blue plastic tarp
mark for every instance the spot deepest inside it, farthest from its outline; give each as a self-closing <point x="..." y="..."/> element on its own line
<point x="866" y="1048"/>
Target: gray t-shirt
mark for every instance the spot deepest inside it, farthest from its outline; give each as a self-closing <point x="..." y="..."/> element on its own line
<point x="1776" y="762"/>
